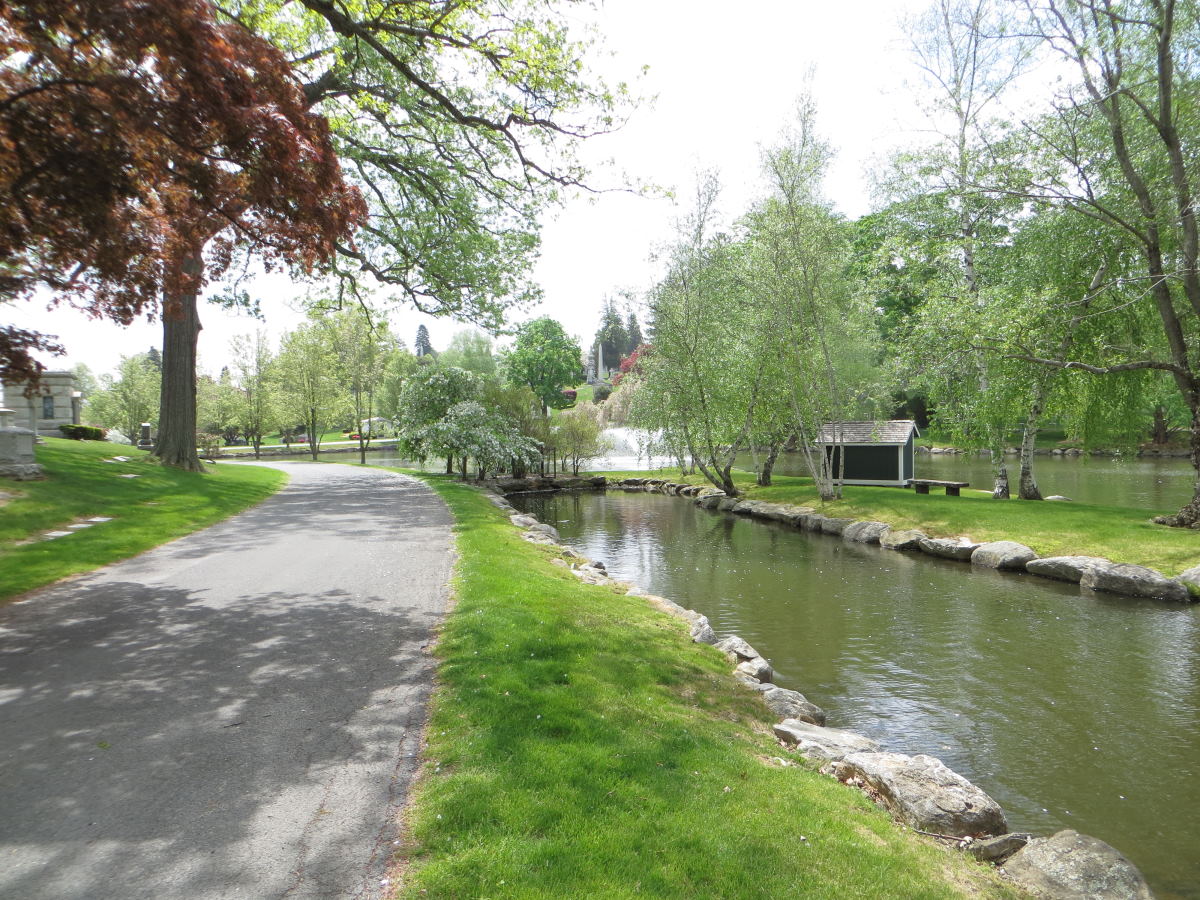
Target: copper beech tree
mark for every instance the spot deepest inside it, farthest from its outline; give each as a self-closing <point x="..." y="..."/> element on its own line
<point x="142" y="143"/>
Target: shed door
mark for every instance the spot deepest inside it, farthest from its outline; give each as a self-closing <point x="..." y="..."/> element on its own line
<point x="876" y="463"/>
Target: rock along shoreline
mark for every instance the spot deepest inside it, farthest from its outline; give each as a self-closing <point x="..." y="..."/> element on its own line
<point x="919" y="791"/>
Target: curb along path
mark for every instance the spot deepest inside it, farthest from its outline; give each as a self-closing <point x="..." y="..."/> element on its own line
<point x="234" y="714"/>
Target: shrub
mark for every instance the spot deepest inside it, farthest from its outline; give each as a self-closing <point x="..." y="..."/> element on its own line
<point x="601" y="393"/>
<point x="83" y="432"/>
<point x="209" y="444"/>
<point x="570" y="393"/>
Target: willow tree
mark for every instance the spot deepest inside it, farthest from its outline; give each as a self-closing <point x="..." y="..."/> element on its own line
<point x="1116" y="146"/>
<point x="818" y="351"/>
<point x="948" y="226"/>
<point x="703" y="382"/>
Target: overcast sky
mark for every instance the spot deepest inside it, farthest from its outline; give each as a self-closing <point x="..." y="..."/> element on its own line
<point x="724" y="78"/>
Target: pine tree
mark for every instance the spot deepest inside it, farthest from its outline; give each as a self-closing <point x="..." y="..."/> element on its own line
<point x="422" y="345"/>
<point x="611" y="337"/>
<point x="634" y="331"/>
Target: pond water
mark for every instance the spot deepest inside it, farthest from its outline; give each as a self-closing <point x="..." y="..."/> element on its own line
<point x="1142" y="482"/>
<point x="1073" y="710"/>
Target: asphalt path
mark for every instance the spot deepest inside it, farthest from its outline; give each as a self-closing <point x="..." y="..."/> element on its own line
<point x="234" y="714"/>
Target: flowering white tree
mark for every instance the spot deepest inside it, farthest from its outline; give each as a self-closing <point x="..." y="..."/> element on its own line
<point x="468" y="431"/>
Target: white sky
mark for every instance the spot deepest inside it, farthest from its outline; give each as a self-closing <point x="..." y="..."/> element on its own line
<point x="725" y="78"/>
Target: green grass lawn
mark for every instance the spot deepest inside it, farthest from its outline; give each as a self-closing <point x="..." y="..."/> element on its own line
<point x="1051" y="529"/>
<point x="584" y="394"/>
<point x="581" y="745"/>
<point x="157" y="506"/>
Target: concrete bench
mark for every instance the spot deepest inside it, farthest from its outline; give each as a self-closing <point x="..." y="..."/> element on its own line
<point x="922" y="485"/>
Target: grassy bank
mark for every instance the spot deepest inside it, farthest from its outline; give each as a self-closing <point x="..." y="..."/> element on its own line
<point x="581" y="746"/>
<point x="1050" y="528"/>
<point x="158" y="505"/>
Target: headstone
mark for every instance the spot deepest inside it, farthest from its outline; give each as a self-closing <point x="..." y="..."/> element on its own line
<point x="16" y="448"/>
<point x="145" y="441"/>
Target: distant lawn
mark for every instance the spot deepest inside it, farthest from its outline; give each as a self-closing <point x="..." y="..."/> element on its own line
<point x="581" y="745"/>
<point x="584" y="394"/>
<point x="1050" y="528"/>
<point x="157" y="506"/>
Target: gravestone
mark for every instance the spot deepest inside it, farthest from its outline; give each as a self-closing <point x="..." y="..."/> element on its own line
<point x="145" y="441"/>
<point x="16" y="448"/>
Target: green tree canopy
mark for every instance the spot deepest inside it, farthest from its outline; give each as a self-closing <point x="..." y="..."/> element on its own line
<point x="470" y="350"/>
<point x="545" y="358"/>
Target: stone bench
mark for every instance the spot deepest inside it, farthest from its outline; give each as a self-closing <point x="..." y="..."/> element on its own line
<point x="922" y="485"/>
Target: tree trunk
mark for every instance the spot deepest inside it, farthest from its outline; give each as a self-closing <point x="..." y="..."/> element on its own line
<point x="727" y="484"/>
<point x="764" y="476"/>
<point x="176" y="445"/>
<point x="1027" y="489"/>
<point x="1159" y="434"/>
<point x="1189" y="516"/>
<point x="450" y="464"/>
<point x="1000" y="490"/>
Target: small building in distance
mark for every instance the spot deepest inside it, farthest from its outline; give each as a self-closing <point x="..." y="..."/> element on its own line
<point x="881" y="453"/>
<point x="54" y="402"/>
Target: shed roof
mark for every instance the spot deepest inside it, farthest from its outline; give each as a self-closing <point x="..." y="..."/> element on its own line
<point x="894" y="431"/>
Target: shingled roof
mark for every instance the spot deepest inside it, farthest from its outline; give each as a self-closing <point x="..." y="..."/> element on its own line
<point x="895" y="431"/>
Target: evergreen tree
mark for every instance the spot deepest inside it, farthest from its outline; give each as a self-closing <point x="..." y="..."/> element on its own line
<point x="422" y="345"/>
<point x="611" y="337"/>
<point x="634" y="332"/>
<point x="154" y="358"/>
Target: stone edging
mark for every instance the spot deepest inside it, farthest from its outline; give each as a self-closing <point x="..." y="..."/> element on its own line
<point x="1092" y="572"/>
<point x="919" y="791"/>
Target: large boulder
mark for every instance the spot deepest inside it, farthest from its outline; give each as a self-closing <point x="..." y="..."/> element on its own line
<point x="548" y="530"/>
<point x="1064" y="568"/>
<point x="728" y="503"/>
<point x="792" y="705"/>
<point x="997" y="849"/>
<point x="592" y="575"/>
<point x="865" y="532"/>
<point x="1002" y="555"/>
<point x="523" y="521"/>
<point x="757" y="668"/>
<point x="1191" y="580"/>
<point x="668" y="606"/>
<point x="736" y="649"/>
<point x="1074" y="866"/>
<point x="1134" y="581"/>
<point x="810" y="521"/>
<point x="816" y="742"/>
<point x="710" y="501"/>
<point x="834" y="525"/>
<point x="948" y="548"/>
<point x="782" y="512"/>
<point x="702" y="632"/>
<point x="908" y="539"/>
<point x="924" y="792"/>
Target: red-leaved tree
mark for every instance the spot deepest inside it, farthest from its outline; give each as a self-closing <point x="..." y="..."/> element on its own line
<point x="142" y="142"/>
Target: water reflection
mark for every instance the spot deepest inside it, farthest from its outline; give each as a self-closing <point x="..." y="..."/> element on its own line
<point x="1071" y="709"/>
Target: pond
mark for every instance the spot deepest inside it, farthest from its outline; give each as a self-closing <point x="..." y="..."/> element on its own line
<point x="1073" y="710"/>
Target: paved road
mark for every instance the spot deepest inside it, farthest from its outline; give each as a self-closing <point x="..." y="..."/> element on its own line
<point x="235" y="714"/>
